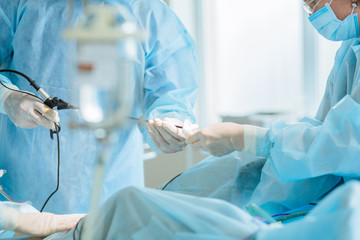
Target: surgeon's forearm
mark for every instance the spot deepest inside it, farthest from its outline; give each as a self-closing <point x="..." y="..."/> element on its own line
<point x="331" y="148"/>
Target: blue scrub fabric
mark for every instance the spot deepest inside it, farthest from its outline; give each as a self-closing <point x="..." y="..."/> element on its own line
<point x="311" y="157"/>
<point x="31" y="42"/>
<point x="304" y="161"/>
<point x="238" y="178"/>
<point x="336" y="217"/>
<point x="150" y="214"/>
<point x="232" y="178"/>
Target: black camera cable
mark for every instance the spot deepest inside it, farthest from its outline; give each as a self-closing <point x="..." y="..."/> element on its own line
<point x="50" y="102"/>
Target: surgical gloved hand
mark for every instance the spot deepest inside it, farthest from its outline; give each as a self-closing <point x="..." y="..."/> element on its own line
<point x="219" y="139"/>
<point x="167" y="137"/>
<point x="37" y="224"/>
<point x="44" y="224"/>
<point x="28" y="112"/>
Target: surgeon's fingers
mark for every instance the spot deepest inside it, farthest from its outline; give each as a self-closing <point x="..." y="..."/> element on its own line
<point x="158" y="139"/>
<point x="47" y="112"/>
<point x="152" y="134"/>
<point x="165" y="134"/>
<point x="174" y="131"/>
<point x="161" y="140"/>
<point x="41" y="120"/>
<point x="195" y="139"/>
<point x="198" y="140"/>
<point x="174" y="145"/>
<point x="67" y="222"/>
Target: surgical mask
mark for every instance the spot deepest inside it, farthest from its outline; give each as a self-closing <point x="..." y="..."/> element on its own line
<point x="330" y="27"/>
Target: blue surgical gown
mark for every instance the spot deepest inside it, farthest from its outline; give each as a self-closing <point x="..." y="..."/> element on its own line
<point x="311" y="157"/>
<point x="295" y="163"/>
<point x="31" y="42"/>
<point x="167" y="215"/>
<point x="140" y="213"/>
<point x="336" y="217"/>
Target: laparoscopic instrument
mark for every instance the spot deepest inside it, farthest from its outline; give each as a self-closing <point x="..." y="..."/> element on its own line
<point x="141" y="120"/>
<point x="45" y="97"/>
<point x="51" y="103"/>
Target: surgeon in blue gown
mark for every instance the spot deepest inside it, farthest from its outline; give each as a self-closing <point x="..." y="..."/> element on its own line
<point x="290" y="165"/>
<point x="287" y="166"/>
<point x="305" y="160"/>
<point x="31" y="42"/>
<point x="284" y="167"/>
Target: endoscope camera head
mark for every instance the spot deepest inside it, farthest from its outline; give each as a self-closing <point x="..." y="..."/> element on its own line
<point x="59" y="104"/>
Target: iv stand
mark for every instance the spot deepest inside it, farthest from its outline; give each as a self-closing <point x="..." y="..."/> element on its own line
<point x="100" y="34"/>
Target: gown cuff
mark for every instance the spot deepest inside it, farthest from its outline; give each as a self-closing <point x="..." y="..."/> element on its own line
<point x="257" y="141"/>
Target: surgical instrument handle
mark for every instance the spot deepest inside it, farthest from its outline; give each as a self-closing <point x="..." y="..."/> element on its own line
<point x="49" y="101"/>
<point x="145" y="120"/>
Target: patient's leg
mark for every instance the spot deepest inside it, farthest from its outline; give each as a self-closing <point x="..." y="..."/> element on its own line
<point x="232" y="178"/>
<point x="152" y="214"/>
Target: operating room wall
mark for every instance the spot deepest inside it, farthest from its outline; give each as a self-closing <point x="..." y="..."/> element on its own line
<point x="254" y="57"/>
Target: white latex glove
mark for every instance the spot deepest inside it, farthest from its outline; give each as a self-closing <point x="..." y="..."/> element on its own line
<point x="27" y="111"/>
<point x="44" y="224"/>
<point x="219" y="139"/>
<point x="37" y="224"/>
<point x="167" y="137"/>
<point x="189" y="128"/>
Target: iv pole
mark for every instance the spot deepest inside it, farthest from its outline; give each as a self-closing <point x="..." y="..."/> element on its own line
<point x="99" y="40"/>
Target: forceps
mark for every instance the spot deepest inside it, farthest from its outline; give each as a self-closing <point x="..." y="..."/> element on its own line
<point x="140" y="120"/>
